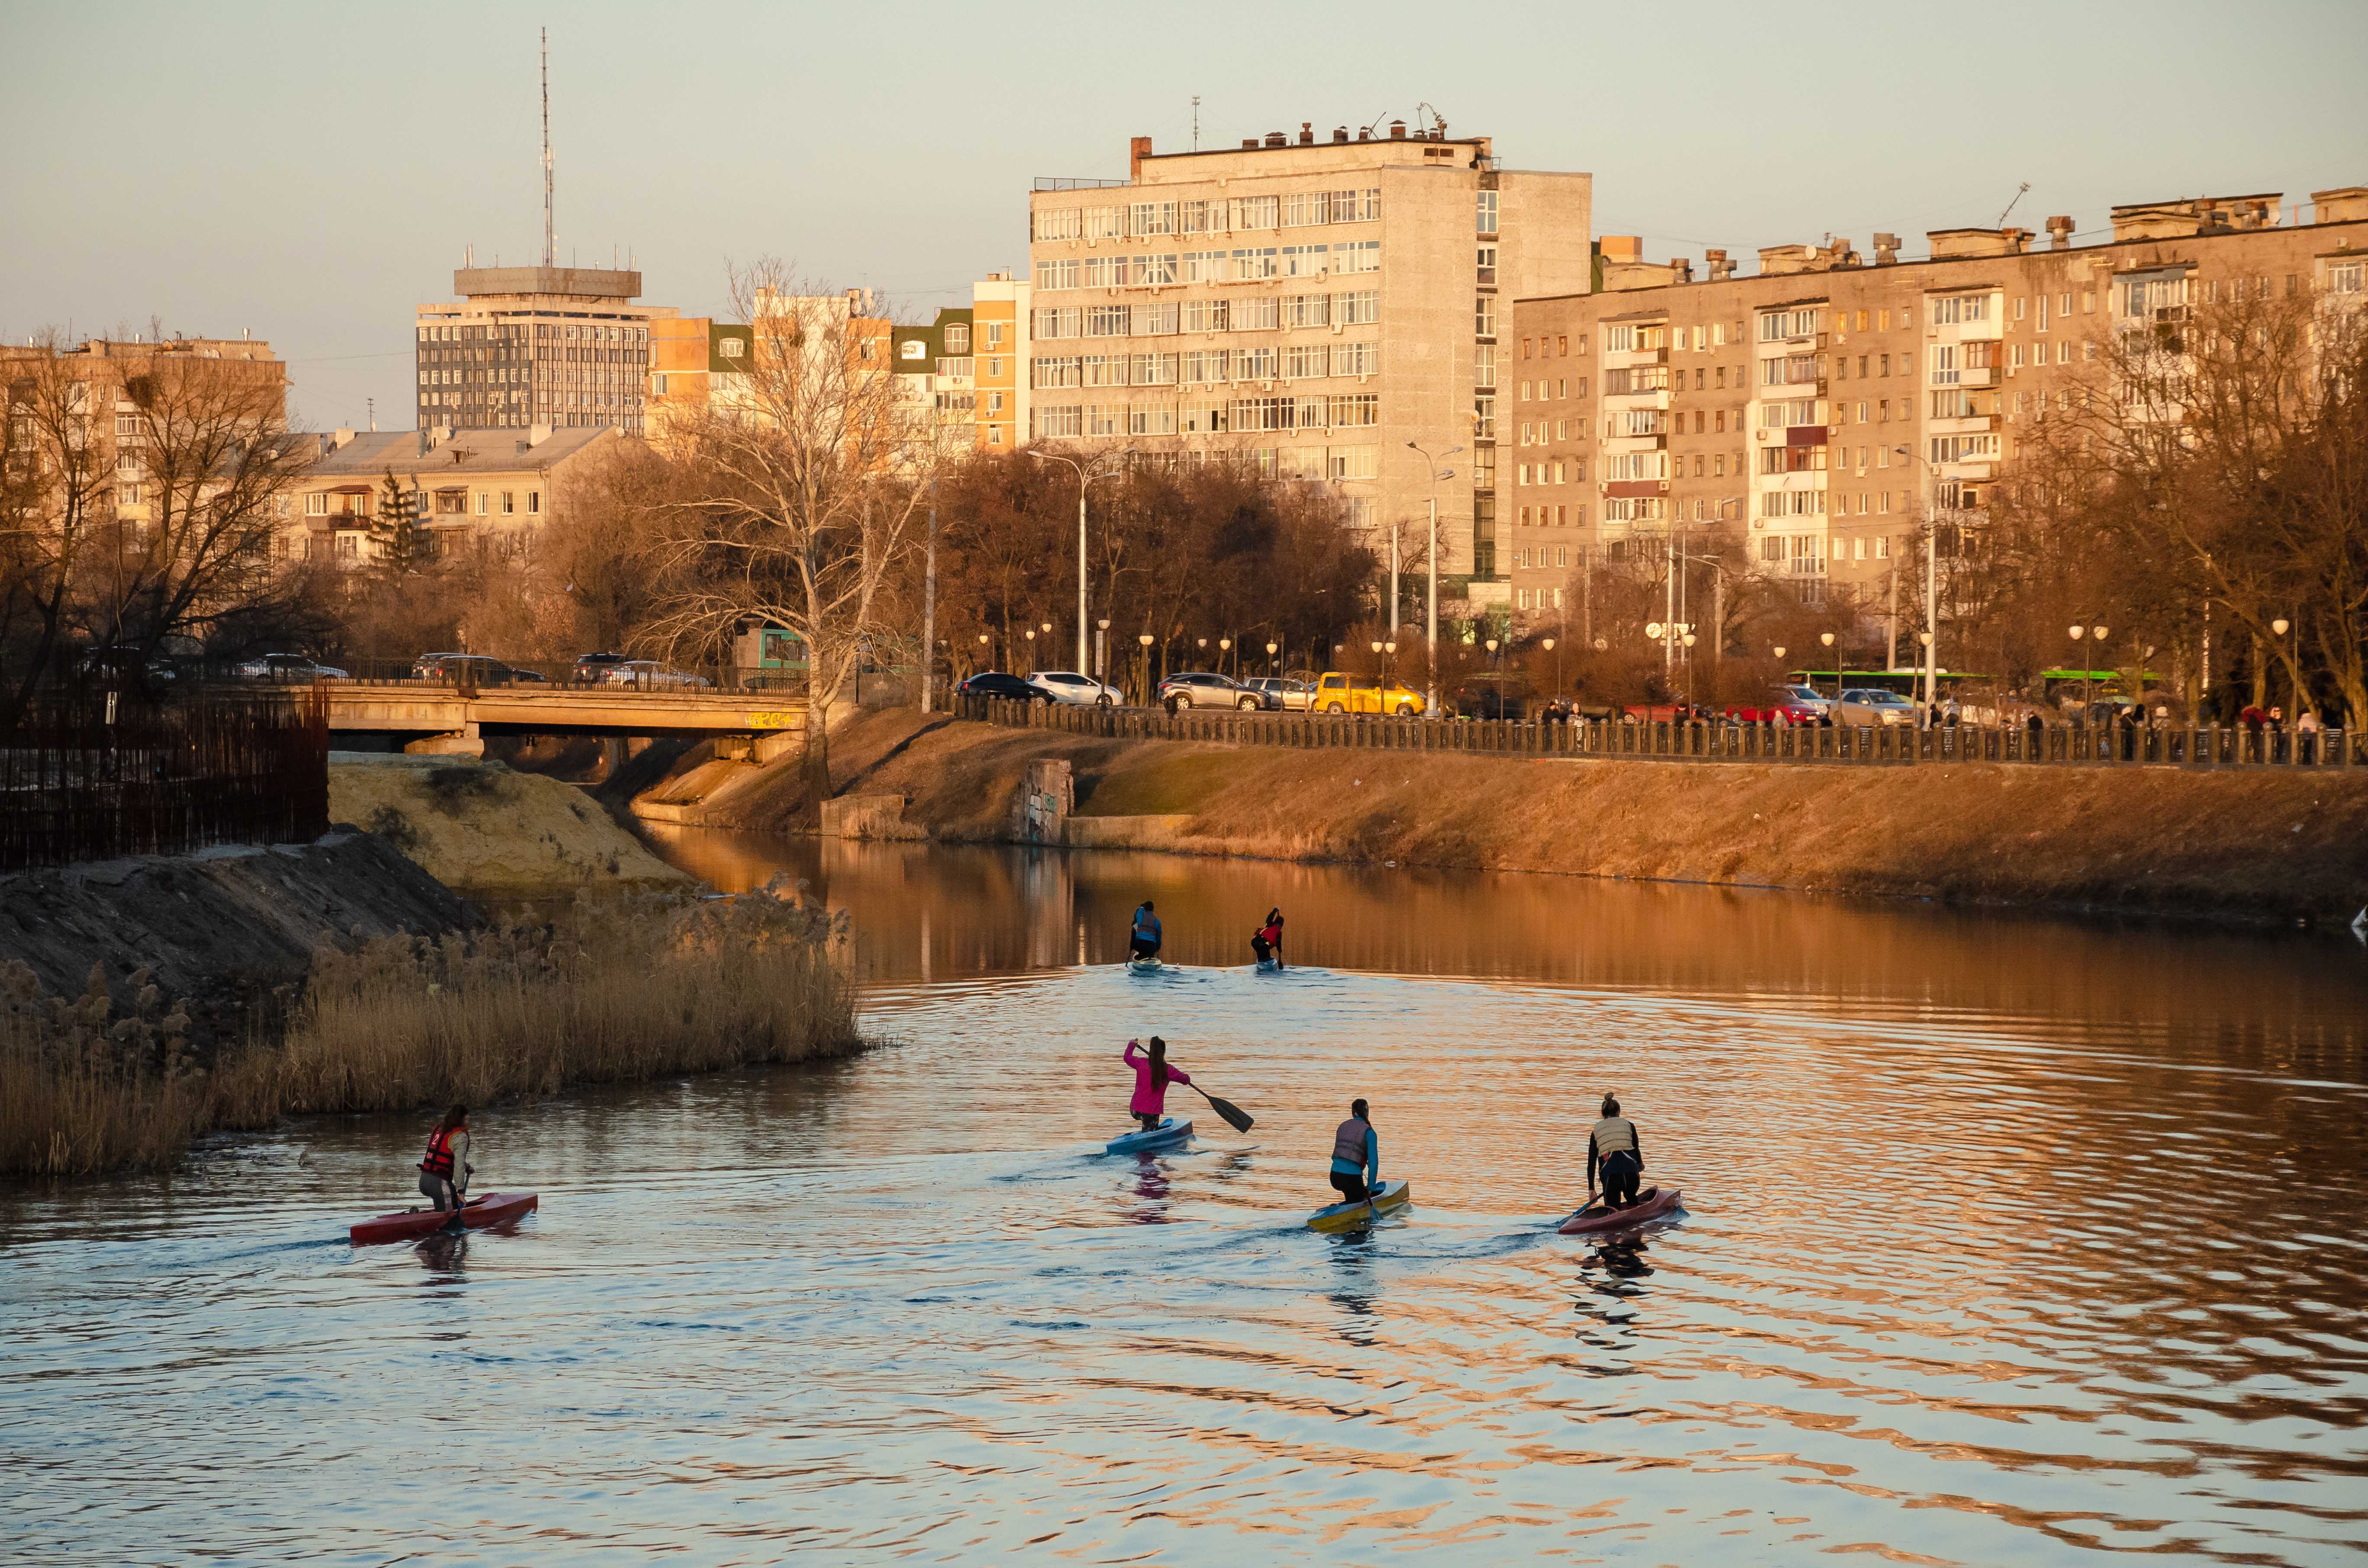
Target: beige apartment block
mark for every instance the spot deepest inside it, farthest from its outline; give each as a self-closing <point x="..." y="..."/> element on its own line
<point x="488" y="486"/>
<point x="1823" y="408"/>
<point x="564" y="347"/>
<point x="1320" y="307"/>
<point x="967" y="368"/>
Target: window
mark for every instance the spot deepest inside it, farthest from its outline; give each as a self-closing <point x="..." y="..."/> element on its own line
<point x="2346" y="278"/>
<point x="1153" y="218"/>
<point x="1107" y="321"/>
<point x="1362" y="308"/>
<point x="1362" y="358"/>
<point x="1960" y="308"/>
<point x="1484" y="364"/>
<point x="958" y="337"/>
<point x="1254" y="364"/>
<point x="1053" y="422"/>
<point x="533" y="503"/>
<point x="1153" y="370"/>
<point x="1159" y="320"/>
<point x="1306" y="310"/>
<point x="1487" y="264"/>
<point x="1262" y="313"/>
<point x="1484" y="316"/>
<point x="1303" y="360"/>
<point x="1305" y="261"/>
<point x="1060" y="372"/>
<point x="1483" y="423"/>
<point x="1488" y="213"/>
<point x="995" y="335"/>
<point x="316" y="505"/>
<point x="658" y="384"/>
<point x="1355" y="463"/>
<point x="1250" y="265"/>
<point x="1056" y="223"/>
<point x="509" y="504"/>
<point x="1775" y="326"/>
<point x="485" y="503"/>
<point x="1256" y="211"/>
<point x="1205" y="315"/>
<point x="1356" y="409"/>
<point x="1152" y="271"/>
<point x="1151" y="419"/>
<point x="1101" y="419"/>
<point x="1362" y="256"/>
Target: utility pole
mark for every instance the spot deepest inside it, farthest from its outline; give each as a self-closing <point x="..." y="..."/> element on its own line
<point x="549" y="246"/>
<point x="1196" y="122"/>
<point x="928" y="605"/>
<point x="1394" y="580"/>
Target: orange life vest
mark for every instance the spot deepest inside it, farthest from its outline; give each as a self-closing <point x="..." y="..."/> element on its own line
<point x="438" y="1161"/>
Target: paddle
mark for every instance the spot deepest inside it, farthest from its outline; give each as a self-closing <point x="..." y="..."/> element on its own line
<point x="1236" y="1117"/>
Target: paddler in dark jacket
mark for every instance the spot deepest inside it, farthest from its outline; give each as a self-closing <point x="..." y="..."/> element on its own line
<point x="1267" y="941"/>
<point x="1357" y="1156"/>
<point x="1142" y="937"/>
<point x="1614" y="1153"/>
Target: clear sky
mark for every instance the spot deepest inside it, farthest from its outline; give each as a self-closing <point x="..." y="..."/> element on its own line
<point x="311" y="173"/>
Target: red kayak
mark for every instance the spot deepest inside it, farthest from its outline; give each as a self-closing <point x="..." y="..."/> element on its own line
<point x="478" y="1213"/>
<point x="1653" y="1203"/>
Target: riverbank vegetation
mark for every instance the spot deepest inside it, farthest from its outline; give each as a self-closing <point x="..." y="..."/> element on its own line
<point x="617" y="991"/>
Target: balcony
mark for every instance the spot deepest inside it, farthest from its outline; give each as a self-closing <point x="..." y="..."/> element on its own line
<point x="1985" y="376"/>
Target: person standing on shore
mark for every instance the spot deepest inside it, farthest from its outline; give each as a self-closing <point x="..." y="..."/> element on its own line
<point x="1152" y="1076"/>
<point x="444" y="1171"/>
<point x="1357" y="1156"/>
<point x="1267" y="941"/>
<point x="1614" y="1153"/>
<point x="1143" y="939"/>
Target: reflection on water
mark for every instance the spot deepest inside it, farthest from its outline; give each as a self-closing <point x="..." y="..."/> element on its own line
<point x="2007" y="1240"/>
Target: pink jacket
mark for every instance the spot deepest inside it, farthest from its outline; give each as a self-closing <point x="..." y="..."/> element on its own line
<point x="1150" y="1098"/>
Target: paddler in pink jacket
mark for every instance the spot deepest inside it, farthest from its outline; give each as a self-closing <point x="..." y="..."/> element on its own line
<point x="1152" y="1076"/>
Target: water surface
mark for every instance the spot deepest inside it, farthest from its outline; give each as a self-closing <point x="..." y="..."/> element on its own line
<point x="2008" y="1240"/>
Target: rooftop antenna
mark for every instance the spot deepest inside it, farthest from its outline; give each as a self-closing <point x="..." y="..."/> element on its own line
<point x="373" y="403"/>
<point x="1196" y="122"/>
<point x="2019" y="191"/>
<point x="548" y="248"/>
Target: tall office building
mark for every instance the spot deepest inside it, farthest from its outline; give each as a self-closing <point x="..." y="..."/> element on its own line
<point x="564" y="346"/>
<point x="1313" y="306"/>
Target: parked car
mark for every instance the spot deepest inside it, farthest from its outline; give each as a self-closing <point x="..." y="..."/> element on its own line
<point x="995" y="683"/>
<point x="591" y="670"/>
<point x="1336" y="692"/>
<point x="1791" y="704"/>
<point x="650" y="674"/>
<point x="1203" y="689"/>
<point x="1068" y="686"/>
<point x="1282" y="691"/>
<point x="126" y="666"/>
<point x="1867" y="707"/>
<point x="285" y="666"/>
<point x="1490" y="696"/>
<point x="462" y="669"/>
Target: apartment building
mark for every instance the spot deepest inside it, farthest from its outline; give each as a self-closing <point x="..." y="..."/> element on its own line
<point x="97" y="378"/>
<point x="1323" y="308"/>
<point x="462" y="488"/>
<point x="965" y="368"/>
<point x="564" y="347"/>
<point x="696" y="363"/>
<point x="1824" y="407"/>
<point x="1000" y="341"/>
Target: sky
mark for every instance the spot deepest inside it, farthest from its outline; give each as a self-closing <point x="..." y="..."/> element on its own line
<point x="311" y="173"/>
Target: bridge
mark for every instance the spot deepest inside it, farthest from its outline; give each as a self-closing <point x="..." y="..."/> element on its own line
<point x="431" y="717"/>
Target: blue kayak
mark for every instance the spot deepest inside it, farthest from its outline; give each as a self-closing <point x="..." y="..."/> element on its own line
<point x="1169" y="1133"/>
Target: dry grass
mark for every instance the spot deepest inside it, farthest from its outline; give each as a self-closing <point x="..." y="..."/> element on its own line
<point x="617" y="991"/>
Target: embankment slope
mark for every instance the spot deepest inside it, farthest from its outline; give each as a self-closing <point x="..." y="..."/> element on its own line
<point x="2253" y="846"/>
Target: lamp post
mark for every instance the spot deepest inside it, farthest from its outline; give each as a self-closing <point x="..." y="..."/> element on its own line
<point x="1086" y="473"/>
<point x="1101" y="650"/>
<point x="1827" y="639"/>
<point x="1690" y="668"/>
<point x="1224" y="645"/>
<point x="1430" y="614"/>
<point x="1549" y="645"/>
<point x="1032" y="650"/>
<point x="1931" y="577"/>
<point x="985" y="654"/>
<point x="1271" y="650"/>
<point x="2097" y="635"/>
<point x="1144" y="684"/>
<point x="2278" y="628"/>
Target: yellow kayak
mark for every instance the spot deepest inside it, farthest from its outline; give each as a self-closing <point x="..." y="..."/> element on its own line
<point x="1393" y="1197"/>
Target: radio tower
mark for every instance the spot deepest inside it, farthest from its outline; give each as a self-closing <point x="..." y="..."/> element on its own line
<point x="548" y="246"/>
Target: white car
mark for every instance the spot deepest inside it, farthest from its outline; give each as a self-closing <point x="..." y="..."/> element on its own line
<point x="1863" y="707"/>
<point x="1068" y="686"/>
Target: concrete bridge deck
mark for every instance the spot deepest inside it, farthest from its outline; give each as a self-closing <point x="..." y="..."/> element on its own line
<point x="435" y="717"/>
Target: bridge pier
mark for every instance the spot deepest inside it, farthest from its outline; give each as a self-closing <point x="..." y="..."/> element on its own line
<point x="466" y="742"/>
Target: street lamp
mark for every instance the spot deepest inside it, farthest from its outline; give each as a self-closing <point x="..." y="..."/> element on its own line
<point x="1085" y="475"/>
<point x="1032" y="650"/>
<point x="1271" y="650"/>
<point x="1549" y="645"/>
<point x="2097" y="634"/>
<point x="1101" y="646"/>
<point x="1144" y="684"/>
<point x="1827" y="638"/>
<point x="1224" y="645"/>
<point x="1931" y="577"/>
<point x="2293" y="662"/>
<point x="1430" y="614"/>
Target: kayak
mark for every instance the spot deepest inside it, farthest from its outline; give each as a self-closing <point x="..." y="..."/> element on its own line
<point x="1169" y="1132"/>
<point x="1142" y="966"/>
<point x="493" y="1209"/>
<point x="1393" y="1197"/>
<point x="1653" y="1203"/>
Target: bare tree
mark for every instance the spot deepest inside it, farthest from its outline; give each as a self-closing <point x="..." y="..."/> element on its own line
<point x="806" y="479"/>
<point x="57" y="503"/>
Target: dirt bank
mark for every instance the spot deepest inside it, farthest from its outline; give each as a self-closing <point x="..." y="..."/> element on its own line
<point x="2255" y="845"/>
<point x="221" y="927"/>
<point x="487" y="830"/>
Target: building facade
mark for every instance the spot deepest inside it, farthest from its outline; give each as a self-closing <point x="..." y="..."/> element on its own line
<point x="1329" y="310"/>
<point x="564" y="347"/>
<point x="1823" y="409"/>
<point x="475" y="485"/>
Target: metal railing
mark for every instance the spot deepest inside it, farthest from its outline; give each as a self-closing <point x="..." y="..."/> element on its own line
<point x="2207" y="747"/>
<point x="692" y="682"/>
<point x="84" y="778"/>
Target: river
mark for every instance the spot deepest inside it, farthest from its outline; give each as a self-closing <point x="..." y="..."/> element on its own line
<point x="2006" y="1240"/>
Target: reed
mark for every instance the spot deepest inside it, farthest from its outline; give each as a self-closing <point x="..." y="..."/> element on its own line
<point x="618" y="991"/>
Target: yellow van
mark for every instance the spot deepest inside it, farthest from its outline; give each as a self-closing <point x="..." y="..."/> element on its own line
<point x="1339" y="693"/>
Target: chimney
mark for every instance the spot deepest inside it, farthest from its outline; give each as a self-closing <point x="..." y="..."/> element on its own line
<point x="535" y="435"/>
<point x="344" y="436"/>
<point x="1250" y="141"/>
<point x="1681" y="271"/>
<point x="1397" y="131"/>
<point x="1278" y="139"/>
<point x="1721" y="269"/>
<point x="1339" y="133"/>
<point x="1307" y="134"/>
<point x="1137" y="149"/>
<point x="1886" y="250"/>
<point x="2059" y="234"/>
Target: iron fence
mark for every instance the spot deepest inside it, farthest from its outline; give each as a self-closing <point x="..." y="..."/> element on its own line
<point x="2207" y="747"/>
<point x="83" y="777"/>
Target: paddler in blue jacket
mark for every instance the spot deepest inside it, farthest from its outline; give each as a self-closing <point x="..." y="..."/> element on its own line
<point x="1614" y="1153"/>
<point x="1142" y="941"/>
<point x="1357" y="1156"/>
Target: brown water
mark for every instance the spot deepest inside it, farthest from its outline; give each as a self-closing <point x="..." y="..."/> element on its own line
<point x="2006" y="1240"/>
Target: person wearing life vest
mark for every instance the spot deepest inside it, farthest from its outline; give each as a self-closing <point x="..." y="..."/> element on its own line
<point x="1267" y="941"/>
<point x="1357" y="1156"/>
<point x="1152" y="1076"/>
<point x="1142" y="940"/>
<point x="1614" y="1153"/>
<point x="444" y="1171"/>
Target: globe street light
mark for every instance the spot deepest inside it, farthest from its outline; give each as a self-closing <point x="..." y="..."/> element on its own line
<point x="1272" y="649"/>
<point x="1102" y="656"/>
<point x="1143" y="686"/>
<point x="1224" y="645"/>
